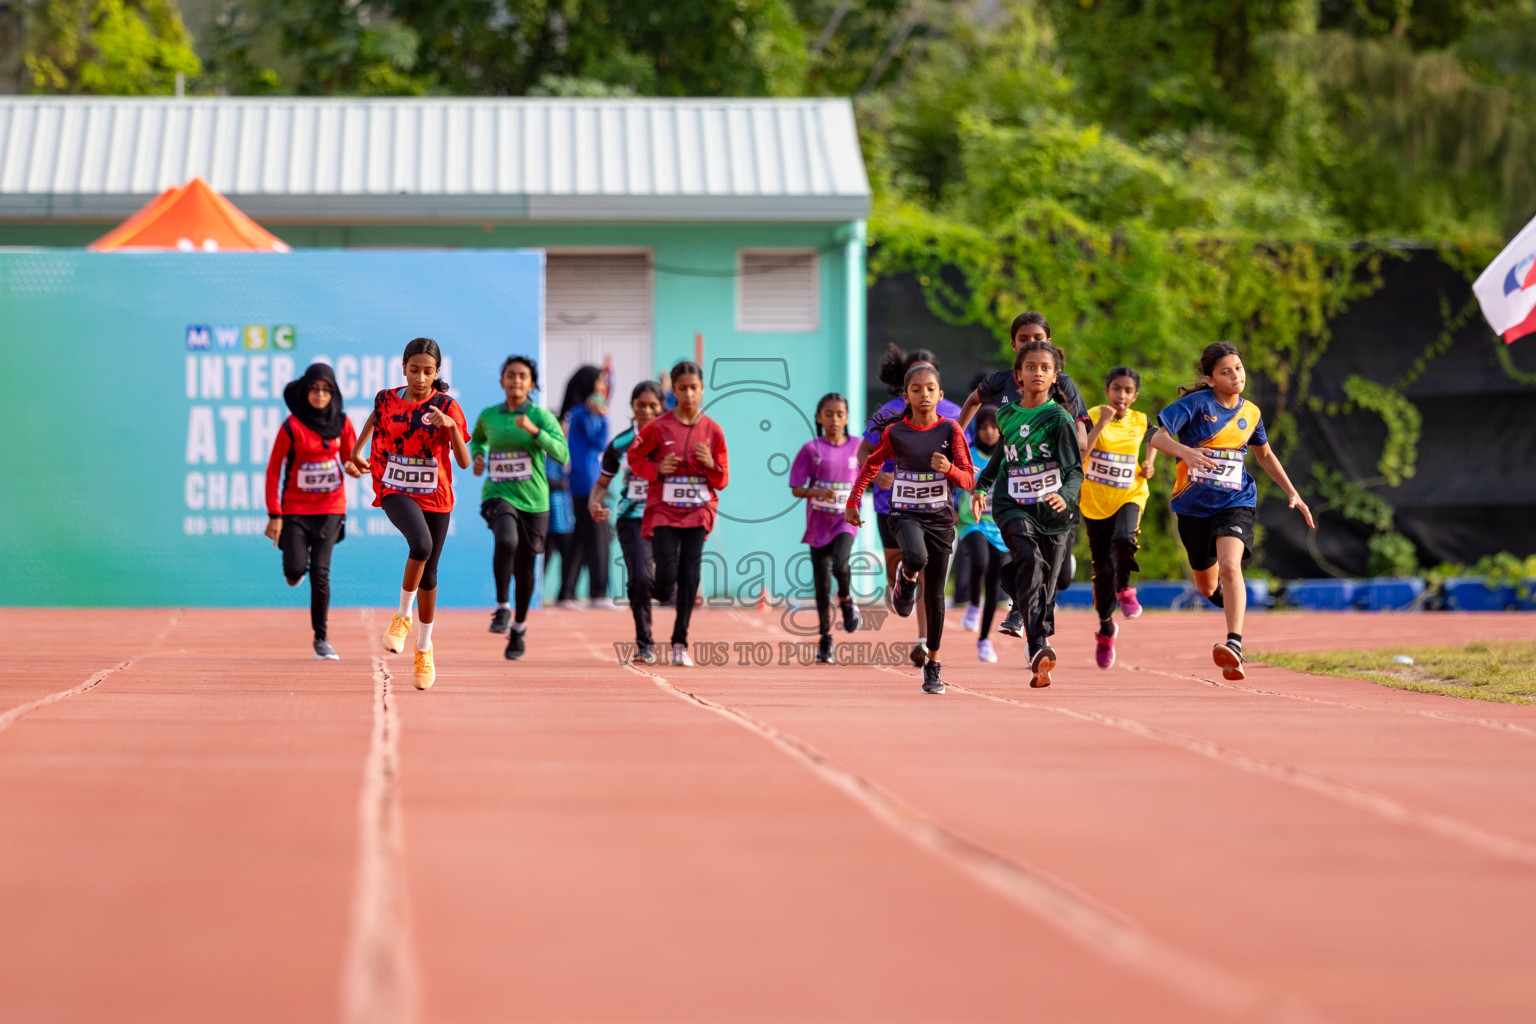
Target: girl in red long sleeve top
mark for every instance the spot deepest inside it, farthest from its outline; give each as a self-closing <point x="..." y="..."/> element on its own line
<point x="933" y="461"/>
<point x="682" y="456"/>
<point x="306" y="503"/>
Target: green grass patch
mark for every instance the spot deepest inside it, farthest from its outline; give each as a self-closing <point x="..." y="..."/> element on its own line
<point x="1503" y="672"/>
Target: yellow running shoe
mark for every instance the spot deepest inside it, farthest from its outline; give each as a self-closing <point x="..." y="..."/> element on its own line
<point x="394" y="637"/>
<point x="426" y="675"/>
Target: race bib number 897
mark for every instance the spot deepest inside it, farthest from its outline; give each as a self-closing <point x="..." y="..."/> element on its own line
<point x="1228" y="474"/>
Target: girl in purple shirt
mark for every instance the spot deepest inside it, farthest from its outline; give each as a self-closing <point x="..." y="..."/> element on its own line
<point x="823" y="474"/>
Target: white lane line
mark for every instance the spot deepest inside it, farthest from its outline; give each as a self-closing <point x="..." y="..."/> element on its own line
<point x="380" y="984"/>
<point x="93" y="681"/>
<point x="1101" y="929"/>
<point x="1485" y="723"/>
<point x="1492" y="843"/>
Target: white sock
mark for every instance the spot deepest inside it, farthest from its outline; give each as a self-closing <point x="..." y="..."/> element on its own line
<point x="407" y="598"/>
<point x="503" y="604"/>
<point x="423" y="636"/>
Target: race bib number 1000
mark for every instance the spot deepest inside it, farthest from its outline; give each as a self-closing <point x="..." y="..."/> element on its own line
<point x="511" y="467"/>
<point x="1228" y="474"/>
<point x="686" y="491"/>
<point x="919" y="492"/>
<point x="413" y="476"/>
<point x="318" y="477"/>
<point x="1111" y="469"/>
<point x="1028" y="484"/>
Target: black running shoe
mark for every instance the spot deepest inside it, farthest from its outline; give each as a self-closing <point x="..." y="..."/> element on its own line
<point x="1229" y="659"/>
<point x="1040" y="666"/>
<point x="932" y="681"/>
<point x="903" y="594"/>
<point x="919" y="654"/>
<point x="515" y="645"/>
<point x="645" y="654"/>
<point x="1217" y="598"/>
<point x="501" y="620"/>
<point x="824" y="650"/>
<point x="852" y="620"/>
<point x="1013" y="625"/>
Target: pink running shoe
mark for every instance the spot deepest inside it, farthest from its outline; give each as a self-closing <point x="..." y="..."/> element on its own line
<point x="1104" y="646"/>
<point x="1129" y="606"/>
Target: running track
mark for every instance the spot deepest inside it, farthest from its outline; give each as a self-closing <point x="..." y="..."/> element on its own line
<point x="199" y="823"/>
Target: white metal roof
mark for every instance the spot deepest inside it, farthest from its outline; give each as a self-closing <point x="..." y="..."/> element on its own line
<point x="92" y="158"/>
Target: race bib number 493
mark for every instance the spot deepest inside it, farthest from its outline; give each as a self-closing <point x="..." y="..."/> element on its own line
<point x="512" y="467"/>
<point x="413" y="476"/>
<point x="1228" y="473"/>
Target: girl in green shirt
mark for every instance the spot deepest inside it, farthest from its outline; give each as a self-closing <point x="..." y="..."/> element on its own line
<point x="509" y="443"/>
<point x="1034" y="476"/>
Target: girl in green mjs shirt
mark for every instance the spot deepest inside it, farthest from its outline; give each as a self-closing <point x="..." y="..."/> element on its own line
<point x="1035" y="475"/>
<point x="509" y="442"/>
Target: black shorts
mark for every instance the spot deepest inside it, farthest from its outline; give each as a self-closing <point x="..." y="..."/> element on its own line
<point x="532" y="527"/>
<point x="888" y="539"/>
<point x="1199" y="534"/>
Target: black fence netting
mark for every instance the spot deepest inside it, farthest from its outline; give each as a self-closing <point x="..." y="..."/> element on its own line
<point x="1472" y="491"/>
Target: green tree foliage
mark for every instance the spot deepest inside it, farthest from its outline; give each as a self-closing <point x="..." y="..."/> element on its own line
<point x="109" y="47"/>
<point x="511" y="47"/>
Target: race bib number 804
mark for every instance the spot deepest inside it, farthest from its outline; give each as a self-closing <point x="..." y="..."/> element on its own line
<point x="686" y="492"/>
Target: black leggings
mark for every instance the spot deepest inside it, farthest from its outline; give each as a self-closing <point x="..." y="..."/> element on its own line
<point x="637" y="562"/>
<point x="995" y="562"/>
<point x="679" y="553"/>
<point x="424" y="531"/>
<point x="306" y="542"/>
<point x="1036" y="562"/>
<point x="590" y="550"/>
<point x="925" y="548"/>
<point x="829" y="562"/>
<point x="1112" y="542"/>
<point x="519" y="541"/>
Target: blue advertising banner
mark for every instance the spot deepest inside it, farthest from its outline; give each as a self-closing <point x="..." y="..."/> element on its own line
<point x="148" y="391"/>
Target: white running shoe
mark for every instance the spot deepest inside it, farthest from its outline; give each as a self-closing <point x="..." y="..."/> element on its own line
<point x="680" y="656"/>
<point x="971" y="620"/>
<point x="603" y="604"/>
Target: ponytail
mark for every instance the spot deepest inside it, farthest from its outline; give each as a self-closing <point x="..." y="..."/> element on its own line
<point x="1213" y="353"/>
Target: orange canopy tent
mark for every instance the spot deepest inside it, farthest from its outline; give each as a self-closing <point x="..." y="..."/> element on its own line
<point x="190" y="218"/>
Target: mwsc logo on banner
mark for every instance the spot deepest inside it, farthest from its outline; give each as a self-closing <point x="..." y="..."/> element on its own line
<point x="255" y="337"/>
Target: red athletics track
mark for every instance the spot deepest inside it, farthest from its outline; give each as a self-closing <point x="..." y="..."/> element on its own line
<point x="199" y="823"/>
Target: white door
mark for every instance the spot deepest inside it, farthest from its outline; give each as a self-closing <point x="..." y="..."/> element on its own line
<point x="597" y="308"/>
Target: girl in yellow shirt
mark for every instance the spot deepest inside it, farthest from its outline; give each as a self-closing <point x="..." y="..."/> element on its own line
<point x="1113" y="498"/>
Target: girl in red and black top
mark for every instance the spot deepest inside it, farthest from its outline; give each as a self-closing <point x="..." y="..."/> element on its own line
<point x="932" y="460"/>
<point x="414" y="430"/>
<point x="306" y="505"/>
<point x="681" y="454"/>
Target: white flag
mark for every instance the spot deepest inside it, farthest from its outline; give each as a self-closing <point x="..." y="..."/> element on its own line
<point x="1507" y="289"/>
